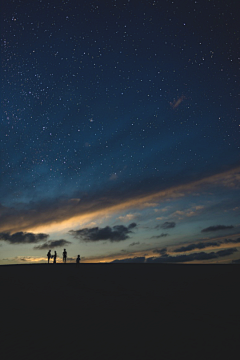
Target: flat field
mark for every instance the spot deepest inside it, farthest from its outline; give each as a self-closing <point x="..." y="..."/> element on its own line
<point x="143" y="305"/>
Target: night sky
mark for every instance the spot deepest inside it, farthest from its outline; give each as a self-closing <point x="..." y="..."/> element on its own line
<point x="120" y="125"/>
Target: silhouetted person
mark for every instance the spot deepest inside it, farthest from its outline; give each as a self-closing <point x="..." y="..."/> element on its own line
<point x="78" y="260"/>
<point x="49" y="255"/>
<point x="54" y="257"/>
<point x="64" y="256"/>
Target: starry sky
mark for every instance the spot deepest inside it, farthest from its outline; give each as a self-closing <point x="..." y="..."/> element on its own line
<point x="120" y="127"/>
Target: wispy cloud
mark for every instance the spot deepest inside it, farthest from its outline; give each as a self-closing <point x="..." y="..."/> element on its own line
<point x="162" y="251"/>
<point x="129" y="217"/>
<point x="177" y="102"/>
<point x="167" y="225"/>
<point x="236" y="261"/>
<point x="217" y="228"/>
<point x="26" y="259"/>
<point x="159" y="236"/>
<point x="200" y="256"/>
<point x="193" y="211"/>
<point x="134" y="243"/>
<point x="206" y="244"/>
<point x="61" y="212"/>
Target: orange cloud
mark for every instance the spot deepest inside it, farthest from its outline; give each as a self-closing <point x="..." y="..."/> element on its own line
<point x="66" y="214"/>
<point x="177" y="102"/>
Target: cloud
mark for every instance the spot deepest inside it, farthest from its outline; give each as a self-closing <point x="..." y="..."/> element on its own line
<point x="234" y="241"/>
<point x="116" y="233"/>
<point x="168" y="225"/>
<point x="52" y="244"/>
<point x="197" y="246"/>
<point x="134" y="243"/>
<point x="160" y="251"/>
<point x="113" y="176"/>
<point x="59" y="212"/>
<point x="177" y="102"/>
<point x="204" y="245"/>
<point x="23" y="237"/>
<point x="226" y="252"/>
<point x="130" y="260"/>
<point x="236" y="261"/>
<point x="193" y="211"/>
<point x="131" y="226"/>
<point x="129" y="217"/>
<point x="159" y="236"/>
<point x="216" y="228"/>
<point x="29" y="259"/>
<point x="192" y="257"/>
<point x="164" y="259"/>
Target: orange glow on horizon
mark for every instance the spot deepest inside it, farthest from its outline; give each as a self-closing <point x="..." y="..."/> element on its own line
<point x="227" y="179"/>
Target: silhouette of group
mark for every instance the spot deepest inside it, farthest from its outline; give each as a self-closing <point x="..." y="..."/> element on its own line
<point x="54" y="257"/>
<point x="50" y="256"/>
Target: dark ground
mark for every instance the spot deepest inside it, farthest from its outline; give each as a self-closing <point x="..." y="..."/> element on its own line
<point x="120" y="311"/>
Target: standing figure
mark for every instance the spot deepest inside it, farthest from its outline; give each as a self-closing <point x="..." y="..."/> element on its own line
<point x="64" y="256"/>
<point x="54" y="257"/>
<point x="49" y="255"/>
<point x="78" y="260"/>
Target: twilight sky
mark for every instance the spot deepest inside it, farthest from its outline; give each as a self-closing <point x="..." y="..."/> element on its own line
<point x="120" y="127"/>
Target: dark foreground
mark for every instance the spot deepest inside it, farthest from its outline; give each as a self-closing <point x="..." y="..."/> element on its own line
<point x="122" y="310"/>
